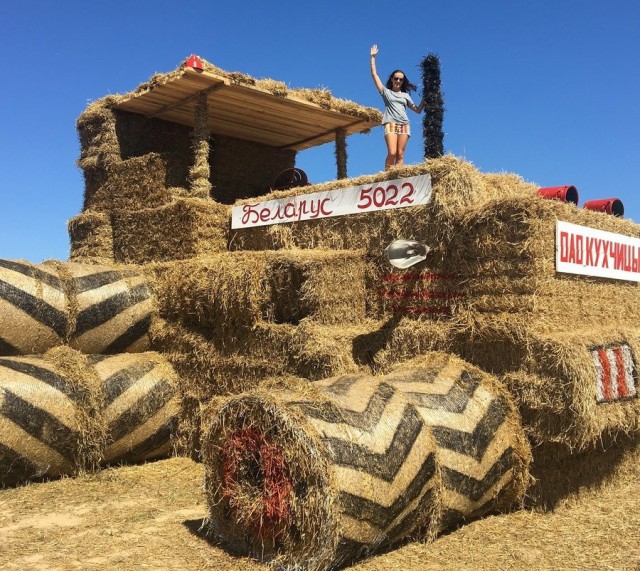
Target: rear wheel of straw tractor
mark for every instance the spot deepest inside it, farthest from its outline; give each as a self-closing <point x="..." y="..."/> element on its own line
<point x="320" y="474"/>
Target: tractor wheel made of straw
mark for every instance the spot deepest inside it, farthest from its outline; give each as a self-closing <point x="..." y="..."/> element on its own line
<point x="33" y="312"/>
<point x="48" y="421"/>
<point x="483" y="453"/>
<point x="95" y="309"/>
<point x="141" y="406"/>
<point x="111" y="308"/>
<point x="310" y="479"/>
<point x="63" y="413"/>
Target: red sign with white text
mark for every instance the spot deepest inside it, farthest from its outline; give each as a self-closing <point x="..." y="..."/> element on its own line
<point x="590" y="252"/>
<point x="384" y="195"/>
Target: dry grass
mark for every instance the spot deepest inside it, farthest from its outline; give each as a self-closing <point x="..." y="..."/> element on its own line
<point x="148" y="517"/>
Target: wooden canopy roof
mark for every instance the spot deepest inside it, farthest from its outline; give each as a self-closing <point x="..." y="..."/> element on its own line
<point x="244" y="111"/>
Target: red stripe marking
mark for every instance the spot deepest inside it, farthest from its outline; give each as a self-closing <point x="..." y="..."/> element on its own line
<point x="621" y="378"/>
<point x="419" y="294"/>
<point x="415" y="276"/>
<point x="606" y="374"/>
<point x="414" y="310"/>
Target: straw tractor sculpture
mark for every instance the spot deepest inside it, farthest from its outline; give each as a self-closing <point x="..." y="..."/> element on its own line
<point x="356" y="363"/>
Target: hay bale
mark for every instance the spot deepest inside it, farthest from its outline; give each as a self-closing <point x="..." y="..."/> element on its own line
<point x="50" y="422"/>
<point x="33" y="312"/>
<point x="91" y="238"/>
<point x="423" y="291"/>
<point x="482" y="450"/>
<point x="325" y="286"/>
<point x="64" y="413"/>
<point x="131" y="184"/>
<point x="110" y="308"/>
<point x="95" y="309"/>
<point x="244" y="169"/>
<point x="226" y="293"/>
<point x="207" y="369"/>
<point x="99" y="143"/>
<point x="214" y="366"/>
<point x="402" y="338"/>
<point x="561" y="475"/>
<point x="308" y="479"/>
<point x="140" y="406"/>
<point x="321" y="351"/>
<point x="456" y="186"/>
<point x="221" y="292"/>
<point x="577" y="387"/>
<point x="185" y="228"/>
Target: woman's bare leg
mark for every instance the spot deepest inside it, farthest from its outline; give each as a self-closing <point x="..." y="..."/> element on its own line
<point x="392" y="150"/>
<point x="401" y="146"/>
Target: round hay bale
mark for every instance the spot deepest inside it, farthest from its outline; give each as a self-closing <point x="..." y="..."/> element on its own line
<point x="64" y="413"/>
<point x="33" y="316"/>
<point x="111" y="308"/>
<point x="95" y="309"/>
<point x="49" y="423"/>
<point x="310" y="479"/>
<point x="482" y="450"/>
<point x="141" y="406"/>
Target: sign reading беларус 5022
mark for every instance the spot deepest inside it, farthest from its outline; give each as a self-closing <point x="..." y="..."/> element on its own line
<point x="384" y="195"/>
<point x="590" y="252"/>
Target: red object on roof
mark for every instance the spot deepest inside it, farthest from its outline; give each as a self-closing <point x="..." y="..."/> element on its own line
<point x="194" y="62"/>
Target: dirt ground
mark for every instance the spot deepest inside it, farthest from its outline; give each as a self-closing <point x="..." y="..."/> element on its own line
<point x="150" y="517"/>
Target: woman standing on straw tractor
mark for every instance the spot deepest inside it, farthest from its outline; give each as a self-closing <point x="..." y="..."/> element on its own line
<point x="395" y="120"/>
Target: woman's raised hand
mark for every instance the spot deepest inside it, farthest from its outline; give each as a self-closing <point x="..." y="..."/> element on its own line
<point x="374" y="50"/>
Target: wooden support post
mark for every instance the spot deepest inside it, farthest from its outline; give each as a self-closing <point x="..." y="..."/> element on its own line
<point x="199" y="184"/>
<point x="341" y="153"/>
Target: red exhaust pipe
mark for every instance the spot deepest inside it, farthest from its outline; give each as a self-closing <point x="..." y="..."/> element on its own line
<point x="609" y="205"/>
<point x="568" y="193"/>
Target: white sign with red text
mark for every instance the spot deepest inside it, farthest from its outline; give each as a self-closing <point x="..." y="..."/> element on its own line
<point x="590" y="252"/>
<point x="384" y="195"/>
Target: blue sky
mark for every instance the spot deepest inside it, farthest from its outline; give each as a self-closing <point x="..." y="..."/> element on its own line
<point x="548" y="90"/>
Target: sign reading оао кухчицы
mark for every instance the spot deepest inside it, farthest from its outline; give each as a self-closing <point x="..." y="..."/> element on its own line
<point x="591" y="252"/>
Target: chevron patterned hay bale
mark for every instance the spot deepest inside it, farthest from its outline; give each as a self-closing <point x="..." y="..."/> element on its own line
<point x="33" y="312"/>
<point x="482" y="450"/>
<point x="65" y="413"/>
<point x="96" y="309"/>
<point x="110" y="307"/>
<point x="50" y="416"/>
<point x="311" y="479"/>
<point x="141" y="406"/>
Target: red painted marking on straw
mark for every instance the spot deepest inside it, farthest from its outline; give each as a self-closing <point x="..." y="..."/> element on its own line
<point x="402" y="294"/>
<point x="621" y="377"/>
<point x="415" y="276"/>
<point x="250" y="447"/>
<point x="606" y="374"/>
<point x="414" y="310"/>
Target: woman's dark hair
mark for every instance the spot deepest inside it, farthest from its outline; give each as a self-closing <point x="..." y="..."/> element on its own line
<point x="407" y="86"/>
